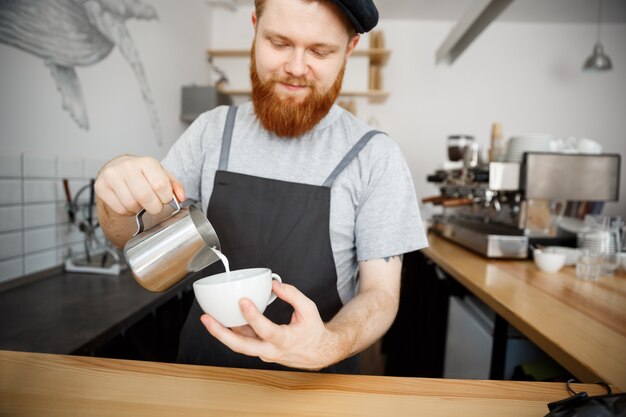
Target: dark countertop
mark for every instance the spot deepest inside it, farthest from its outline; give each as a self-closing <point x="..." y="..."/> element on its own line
<point x="65" y="313"/>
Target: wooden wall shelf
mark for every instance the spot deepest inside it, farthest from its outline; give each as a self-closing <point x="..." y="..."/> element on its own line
<point x="376" y="55"/>
<point x="366" y="93"/>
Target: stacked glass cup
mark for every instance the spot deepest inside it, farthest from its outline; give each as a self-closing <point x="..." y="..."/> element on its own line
<point x="600" y="244"/>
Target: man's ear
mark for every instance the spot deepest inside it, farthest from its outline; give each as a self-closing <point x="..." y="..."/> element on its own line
<point x="352" y="44"/>
<point x="254" y="19"/>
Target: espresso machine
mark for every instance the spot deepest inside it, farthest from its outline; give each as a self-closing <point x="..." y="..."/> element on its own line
<point x="500" y="209"/>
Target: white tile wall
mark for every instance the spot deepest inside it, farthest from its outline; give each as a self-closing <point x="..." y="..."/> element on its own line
<point x="60" y="213"/>
<point x="41" y="215"/>
<point x="75" y="186"/>
<point x="40" y="261"/>
<point x="10" y="191"/>
<point x="40" y="239"/>
<point x="35" y="233"/>
<point x="70" y="167"/>
<point x="67" y="235"/>
<point x="40" y="166"/>
<point x="11" y="245"/>
<point x="76" y="250"/>
<point x="40" y="191"/>
<point x="11" y="269"/>
<point x="10" y="218"/>
<point x="11" y="165"/>
<point x="92" y="166"/>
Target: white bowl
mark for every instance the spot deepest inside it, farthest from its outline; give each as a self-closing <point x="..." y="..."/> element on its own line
<point x="571" y="254"/>
<point x="549" y="262"/>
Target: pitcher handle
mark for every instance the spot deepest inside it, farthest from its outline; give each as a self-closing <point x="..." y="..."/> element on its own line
<point x="146" y="220"/>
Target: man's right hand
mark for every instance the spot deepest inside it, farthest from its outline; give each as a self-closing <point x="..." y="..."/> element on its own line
<point x="127" y="184"/>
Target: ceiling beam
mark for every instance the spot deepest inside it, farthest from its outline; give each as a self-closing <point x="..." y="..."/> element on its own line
<point x="471" y="24"/>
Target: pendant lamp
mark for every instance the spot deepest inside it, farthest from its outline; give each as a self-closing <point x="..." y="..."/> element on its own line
<point x="598" y="61"/>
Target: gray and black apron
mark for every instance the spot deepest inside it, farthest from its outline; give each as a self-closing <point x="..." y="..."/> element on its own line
<point x="275" y="224"/>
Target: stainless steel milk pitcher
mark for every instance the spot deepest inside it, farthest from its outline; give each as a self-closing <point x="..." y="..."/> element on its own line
<point x="170" y="245"/>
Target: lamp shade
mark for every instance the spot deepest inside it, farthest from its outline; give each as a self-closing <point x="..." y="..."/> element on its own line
<point x="598" y="61"/>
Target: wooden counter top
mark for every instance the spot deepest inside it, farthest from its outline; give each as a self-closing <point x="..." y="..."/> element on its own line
<point x="581" y="324"/>
<point x="35" y="384"/>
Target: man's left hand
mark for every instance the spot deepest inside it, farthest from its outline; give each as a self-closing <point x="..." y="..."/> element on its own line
<point x="304" y="343"/>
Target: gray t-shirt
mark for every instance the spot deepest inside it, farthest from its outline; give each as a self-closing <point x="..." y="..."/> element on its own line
<point x="373" y="207"/>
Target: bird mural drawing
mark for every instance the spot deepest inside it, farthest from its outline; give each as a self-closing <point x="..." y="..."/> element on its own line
<point x="70" y="33"/>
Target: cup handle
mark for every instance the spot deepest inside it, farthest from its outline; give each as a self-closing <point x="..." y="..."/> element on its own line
<point x="272" y="295"/>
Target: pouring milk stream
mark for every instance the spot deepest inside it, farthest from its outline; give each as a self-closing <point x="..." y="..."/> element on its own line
<point x="224" y="260"/>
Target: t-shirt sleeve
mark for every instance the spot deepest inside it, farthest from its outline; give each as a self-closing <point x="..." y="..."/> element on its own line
<point x="388" y="221"/>
<point x="185" y="159"/>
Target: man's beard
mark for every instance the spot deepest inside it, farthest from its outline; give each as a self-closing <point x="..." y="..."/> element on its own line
<point x="290" y="116"/>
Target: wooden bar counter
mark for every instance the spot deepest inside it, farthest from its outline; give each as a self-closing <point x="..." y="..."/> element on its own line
<point x="581" y="324"/>
<point x="38" y="384"/>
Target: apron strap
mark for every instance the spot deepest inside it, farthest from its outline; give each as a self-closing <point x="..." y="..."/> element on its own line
<point x="352" y="153"/>
<point x="226" y="138"/>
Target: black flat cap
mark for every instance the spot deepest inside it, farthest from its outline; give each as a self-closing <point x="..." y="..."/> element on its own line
<point x="362" y="13"/>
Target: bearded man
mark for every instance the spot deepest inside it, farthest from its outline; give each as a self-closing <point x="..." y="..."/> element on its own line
<point x="293" y="183"/>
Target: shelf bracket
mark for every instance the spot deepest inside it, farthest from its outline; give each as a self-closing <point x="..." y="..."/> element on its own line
<point x="471" y="24"/>
<point x="231" y="5"/>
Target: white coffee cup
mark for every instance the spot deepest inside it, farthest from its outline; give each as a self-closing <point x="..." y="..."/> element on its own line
<point x="219" y="295"/>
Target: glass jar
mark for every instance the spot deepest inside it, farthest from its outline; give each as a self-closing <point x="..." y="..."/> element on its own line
<point x="601" y="238"/>
<point x="456" y="146"/>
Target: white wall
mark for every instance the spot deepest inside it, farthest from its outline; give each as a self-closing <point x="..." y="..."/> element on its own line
<point x="172" y="50"/>
<point x="526" y="76"/>
<point x="40" y="144"/>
